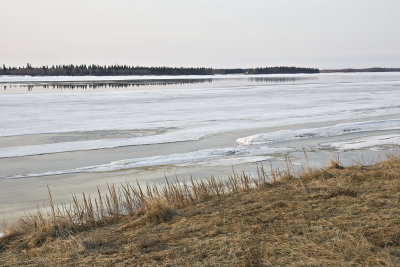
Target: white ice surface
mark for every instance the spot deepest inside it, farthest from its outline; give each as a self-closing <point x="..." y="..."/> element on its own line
<point x="25" y="79"/>
<point x="331" y="105"/>
<point x="335" y="130"/>
<point x="196" y="134"/>
<point x="226" y="156"/>
<point x="20" y="151"/>
<point x="365" y="142"/>
<point x="9" y="79"/>
<point x="247" y="106"/>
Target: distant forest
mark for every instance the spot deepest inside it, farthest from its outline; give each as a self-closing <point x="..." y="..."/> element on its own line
<point x="113" y="70"/>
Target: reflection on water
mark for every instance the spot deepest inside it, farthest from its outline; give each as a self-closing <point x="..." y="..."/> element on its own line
<point x="280" y="79"/>
<point x="102" y="84"/>
<point x="115" y="85"/>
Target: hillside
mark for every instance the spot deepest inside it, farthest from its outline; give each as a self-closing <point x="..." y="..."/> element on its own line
<point x="331" y="217"/>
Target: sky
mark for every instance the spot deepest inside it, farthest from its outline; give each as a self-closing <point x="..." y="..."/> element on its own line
<point x="208" y="33"/>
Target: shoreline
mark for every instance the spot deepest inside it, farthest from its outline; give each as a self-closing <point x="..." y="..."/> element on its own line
<point x="23" y="195"/>
<point x="266" y="211"/>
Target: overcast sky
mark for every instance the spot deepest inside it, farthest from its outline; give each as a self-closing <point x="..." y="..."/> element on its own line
<point x="215" y="33"/>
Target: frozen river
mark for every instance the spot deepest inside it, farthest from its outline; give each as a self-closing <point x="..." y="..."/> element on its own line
<point x="75" y="132"/>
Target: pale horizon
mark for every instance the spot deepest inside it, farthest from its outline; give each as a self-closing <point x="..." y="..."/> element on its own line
<point x="217" y="34"/>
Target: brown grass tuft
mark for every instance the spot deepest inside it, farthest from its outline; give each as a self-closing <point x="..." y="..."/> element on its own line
<point x="159" y="211"/>
<point x="334" y="165"/>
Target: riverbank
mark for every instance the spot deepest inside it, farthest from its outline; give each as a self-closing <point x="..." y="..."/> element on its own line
<point x="331" y="216"/>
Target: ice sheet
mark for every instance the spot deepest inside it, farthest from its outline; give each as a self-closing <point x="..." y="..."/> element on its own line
<point x="365" y="142"/>
<point x="248" y="106"/>
<point x="335" y="130"/>
<point x="25" y="79"/>
<point x="331" y="106"/>
<point x="228" y="156"/>
<point x="9" y="79"/>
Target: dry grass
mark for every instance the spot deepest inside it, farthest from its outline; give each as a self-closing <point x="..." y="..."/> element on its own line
<point x="331" y="217"/>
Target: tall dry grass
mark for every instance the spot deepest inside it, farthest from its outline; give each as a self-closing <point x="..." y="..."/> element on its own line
<point x="333" y="216"/>
<point x="155" y="203"/>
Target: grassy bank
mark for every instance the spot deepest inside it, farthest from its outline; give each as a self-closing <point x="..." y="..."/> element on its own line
<point x="333" y="216"/>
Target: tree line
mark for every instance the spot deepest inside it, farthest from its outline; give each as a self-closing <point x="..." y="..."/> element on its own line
<point x="114" y="70"/>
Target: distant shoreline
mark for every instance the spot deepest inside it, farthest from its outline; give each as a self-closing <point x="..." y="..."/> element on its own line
<point x="123" y="70"/>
